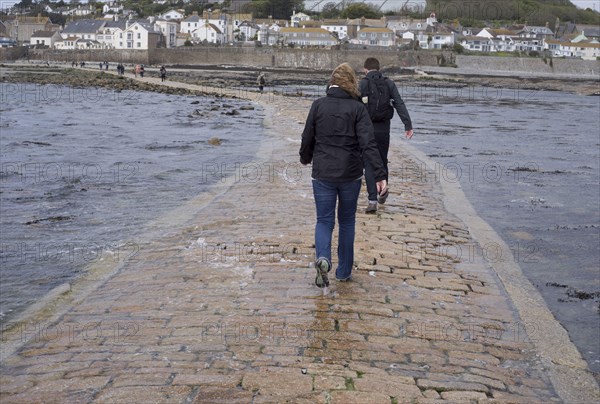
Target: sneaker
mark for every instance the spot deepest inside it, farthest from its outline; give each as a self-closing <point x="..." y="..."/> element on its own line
<point x="348" y="279"/>
<point x="372" y="207"/>
<point x="383" y="197"/>
<point x="322" y="267"/>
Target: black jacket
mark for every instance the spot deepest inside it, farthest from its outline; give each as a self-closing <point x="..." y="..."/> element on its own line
<point x="337" y="133"/>
<point x="397" y="101"/>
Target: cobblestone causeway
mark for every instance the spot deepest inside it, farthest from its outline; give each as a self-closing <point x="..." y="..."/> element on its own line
<point x="224" y="309"/>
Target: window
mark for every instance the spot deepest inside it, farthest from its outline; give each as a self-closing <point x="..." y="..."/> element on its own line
<point x="139" y="36"/>
<point x="386" y="35"/>
<point x="139" y="44"/>
<point x="363" y="35"/>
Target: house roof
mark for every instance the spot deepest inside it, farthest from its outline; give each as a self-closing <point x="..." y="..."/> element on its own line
<point x="334" y="22"/>
<point x="306" y="30"/>
<point x="581" y="44"/>
<point x="376" y="30"/>
<point x="84" y="26"/>
<point x="43" y="34"/>
<point x="378" y="23"/>
<point x="69" y="38"/>
<point x="192" y="18"/>
<point x="476" y="38"/>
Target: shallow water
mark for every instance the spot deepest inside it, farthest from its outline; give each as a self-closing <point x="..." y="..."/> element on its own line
<point x="84" y="170"/>
<point x="529" y="163"/>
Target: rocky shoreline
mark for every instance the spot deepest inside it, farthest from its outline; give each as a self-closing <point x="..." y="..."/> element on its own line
<point x="235" y="77"/>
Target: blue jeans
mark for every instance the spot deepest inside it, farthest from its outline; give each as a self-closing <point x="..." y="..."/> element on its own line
<point x="326" y="196"/>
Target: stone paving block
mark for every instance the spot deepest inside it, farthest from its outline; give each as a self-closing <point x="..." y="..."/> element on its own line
<point x="358" y="397"/>
<point x="281" y="383"/>
<point x="450" y="385"/>
<point x="214" y="395"/>
<point x="223" y="381"/>
<point x="148" y="394"/>
<point x="463" y="395"/>
<point x="391" y="386"/>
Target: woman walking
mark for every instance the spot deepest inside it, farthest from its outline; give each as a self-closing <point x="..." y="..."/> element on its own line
<point x="337" y="135"/>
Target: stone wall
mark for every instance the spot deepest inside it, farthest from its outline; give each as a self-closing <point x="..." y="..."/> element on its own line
<point x="13" y="53"/>
<point x="110" y="55"/>
<point x="528" y="65"/>
<point x="319" y="59"/>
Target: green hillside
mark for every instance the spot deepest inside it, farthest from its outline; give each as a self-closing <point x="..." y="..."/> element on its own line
<point x="534" y="12"/>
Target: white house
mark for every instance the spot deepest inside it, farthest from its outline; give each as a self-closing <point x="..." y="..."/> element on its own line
<point x="190" y="24"/>
<point x="297" y="18"/>
<point x="247" y="30"/>
<point x="588" y="50"/>
<point x="336" y="28"/>
<point x="138" y="35"/>
<point x="84" y="29"/>
<point x="307" y="36"/>
<point x="268" y="36"/>
<point x="113" y="7"/>
<point x="208" y="32"/>
<point x="77" y="43"/>
<point x="172" y="15"/>
<point x="477" y="43"/>
<point x="407" y="25"/>
<point x="430" y="39"/>
<point x="168" y="29"/>
<point x="80" y="10"/>
<point x="376" y="36"/>
<point x="45" y="38"/>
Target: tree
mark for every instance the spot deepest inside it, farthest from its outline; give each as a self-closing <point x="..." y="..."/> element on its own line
<point x="358" y="10"/>
<point x="278" y="9"/>
<point x="330" y="10"/>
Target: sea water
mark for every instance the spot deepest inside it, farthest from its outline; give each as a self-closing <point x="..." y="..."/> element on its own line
<point x="528" y="161"/>
<point x="83" y="170"/>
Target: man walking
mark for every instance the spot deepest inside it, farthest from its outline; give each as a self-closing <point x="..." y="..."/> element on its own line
<point x="381" y="97"/>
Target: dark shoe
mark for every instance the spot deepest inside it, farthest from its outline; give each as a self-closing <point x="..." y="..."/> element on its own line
<point x="348" y="279"/>
<point x="383" y="197"/>
<point x="371" y="208"/>
<point x="322" y="266"/>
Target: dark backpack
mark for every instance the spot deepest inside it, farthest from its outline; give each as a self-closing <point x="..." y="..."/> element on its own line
<point x="379" y="102"/>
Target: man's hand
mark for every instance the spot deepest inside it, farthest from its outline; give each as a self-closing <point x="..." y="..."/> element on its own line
<point x="381" y="186"/>
<point x="409" y="134"/>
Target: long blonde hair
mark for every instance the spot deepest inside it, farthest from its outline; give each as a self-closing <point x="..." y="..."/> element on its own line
<point x="345" y="77"/>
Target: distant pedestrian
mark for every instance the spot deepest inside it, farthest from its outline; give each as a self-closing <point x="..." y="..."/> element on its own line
<point x="142" y="70"/>
<point x="136" y="70"/>
<point x="163" y="73"/>
<point x="73" y="64"/>
<point x="100" y="65"/>
<point x="261" y="81"/>
<point x="106" y="65"/>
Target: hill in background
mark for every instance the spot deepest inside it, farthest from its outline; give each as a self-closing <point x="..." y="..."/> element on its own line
<point x="532" y="12"/>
